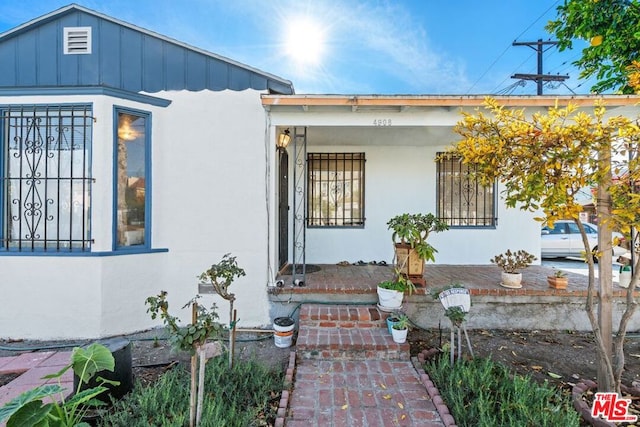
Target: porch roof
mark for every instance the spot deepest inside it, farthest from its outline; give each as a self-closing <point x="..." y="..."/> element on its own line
<point x="403" y="102"/>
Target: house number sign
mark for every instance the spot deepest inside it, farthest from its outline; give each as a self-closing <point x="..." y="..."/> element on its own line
<point x="382" y="122"/>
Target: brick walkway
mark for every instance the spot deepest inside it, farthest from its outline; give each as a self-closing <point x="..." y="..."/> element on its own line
<point x="350" y="373"/>
<point x="360" y="393"/>
<point x="32" y="367"/>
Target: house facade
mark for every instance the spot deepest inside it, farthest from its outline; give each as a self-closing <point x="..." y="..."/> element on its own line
<point x="131" y="162"/>
<point x="354" y="162"/>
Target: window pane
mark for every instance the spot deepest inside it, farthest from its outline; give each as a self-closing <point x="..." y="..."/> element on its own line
<point x="335" y="189"/>
<point x="46" y="181"/>
<point x="131" y="176"/>
<point x="462" y="200"/>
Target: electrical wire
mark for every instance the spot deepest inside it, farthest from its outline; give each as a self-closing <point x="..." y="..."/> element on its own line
<point x="509" y="46"/>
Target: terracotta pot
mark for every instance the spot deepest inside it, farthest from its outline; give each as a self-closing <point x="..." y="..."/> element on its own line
<point x="557" y="282"/>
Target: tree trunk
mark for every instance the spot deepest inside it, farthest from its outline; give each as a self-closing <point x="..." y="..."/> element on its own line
<point x="602" y="354"/>
<point x="194" y="373"/>
<point x="605" y="297"/>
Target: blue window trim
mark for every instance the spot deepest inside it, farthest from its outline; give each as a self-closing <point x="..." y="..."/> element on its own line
<point x="86" y="90"/>
<point x="80" y="254"/>
<point x="49" y="252"/>
<point x="146" y="247"/>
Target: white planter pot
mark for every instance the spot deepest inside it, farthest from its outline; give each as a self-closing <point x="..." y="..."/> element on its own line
<point x="625" y="279"/>
<point x="511" y="280"/>
<point x="399" y="335"/>
<point x="389" y="300"/>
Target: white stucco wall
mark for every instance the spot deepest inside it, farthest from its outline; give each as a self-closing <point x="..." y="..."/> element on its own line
<point x="402" y="179"/>
<point x="400" y="176"/>
<point x="209" y="197"/>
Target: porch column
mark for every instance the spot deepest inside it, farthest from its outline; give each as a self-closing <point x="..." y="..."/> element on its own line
<point x="299" y="202"/>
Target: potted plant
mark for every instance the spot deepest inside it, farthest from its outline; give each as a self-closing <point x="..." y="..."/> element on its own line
<point x="410" y="234"/>
<point x="391" y="292"/>
<point x="559" y="280"/>
<point x="456" y="315"/>
<point x="393" y="319"/>
<point x="511" y="263"/>
<point x="400" y="329"/>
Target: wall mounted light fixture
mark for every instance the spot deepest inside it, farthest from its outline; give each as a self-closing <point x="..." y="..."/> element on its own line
<point x="283" y="139"/>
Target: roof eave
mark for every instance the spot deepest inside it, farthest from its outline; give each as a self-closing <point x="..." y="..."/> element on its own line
<point x="73" y="6"/>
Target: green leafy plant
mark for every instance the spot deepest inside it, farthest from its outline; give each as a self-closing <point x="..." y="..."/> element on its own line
<point x="483" y="393"/>
<point x="29" y="408"/>
<point x="402" y="321"/>
<point x="511" y="262"/>
<point x="559" y="274"/>
<point x="193" y="335"/>
<point x="400" y="283"/>
<point x="237" y="397"/>
<point x="414" y="230"/>
<point x="190" y="338"/>
<point x="455" y="314"/>
<point x="222" y="274"/>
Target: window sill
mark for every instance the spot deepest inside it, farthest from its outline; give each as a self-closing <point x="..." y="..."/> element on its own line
<point x="119" y="252"/>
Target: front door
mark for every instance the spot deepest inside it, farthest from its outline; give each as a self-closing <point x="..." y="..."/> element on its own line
<point x="283" y="208"/>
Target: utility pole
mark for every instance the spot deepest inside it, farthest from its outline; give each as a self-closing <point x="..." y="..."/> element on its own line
<point x="539" y="78"/>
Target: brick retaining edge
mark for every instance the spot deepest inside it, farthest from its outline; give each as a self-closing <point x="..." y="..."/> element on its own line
<point x="433" y="391"/>
<point x="284" y="397"/>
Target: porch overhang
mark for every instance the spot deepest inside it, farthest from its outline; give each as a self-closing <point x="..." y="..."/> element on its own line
<point x="405" y="102"/>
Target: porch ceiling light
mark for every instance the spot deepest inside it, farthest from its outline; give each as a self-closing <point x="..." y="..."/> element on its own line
<point x="283" y="139"/>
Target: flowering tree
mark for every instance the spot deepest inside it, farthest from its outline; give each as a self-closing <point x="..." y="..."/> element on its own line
<point x="543" y="161"/>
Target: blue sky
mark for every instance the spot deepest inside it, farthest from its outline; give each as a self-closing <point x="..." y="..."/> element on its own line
<point x="365" y="47"/>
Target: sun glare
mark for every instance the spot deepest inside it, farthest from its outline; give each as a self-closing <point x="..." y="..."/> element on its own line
<point x="305" y="41"/>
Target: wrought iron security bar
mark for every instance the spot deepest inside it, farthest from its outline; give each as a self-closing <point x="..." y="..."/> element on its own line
<point x="45" y="182"/>
<point x="335" y="189"/>
<point x="462" y="200"/>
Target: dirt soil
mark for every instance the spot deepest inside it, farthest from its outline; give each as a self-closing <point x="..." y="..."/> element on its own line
<point x="560" y="357"/>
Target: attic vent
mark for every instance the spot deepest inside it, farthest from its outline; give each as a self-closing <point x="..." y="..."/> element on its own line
<point x="77" y="40"/>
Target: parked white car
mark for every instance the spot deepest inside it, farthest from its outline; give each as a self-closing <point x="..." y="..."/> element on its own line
<point x="564" y="240"/>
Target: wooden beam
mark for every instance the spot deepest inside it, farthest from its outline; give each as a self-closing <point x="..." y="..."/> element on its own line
<point x="444" y="101"/>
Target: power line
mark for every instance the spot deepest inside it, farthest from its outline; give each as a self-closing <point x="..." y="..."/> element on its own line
<point x="509" y="46"/>
<point x="508" y="77"/>
<point x="539" y="77"/>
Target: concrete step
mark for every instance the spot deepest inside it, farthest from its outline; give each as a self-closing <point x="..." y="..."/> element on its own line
<point x="346" y="333"/>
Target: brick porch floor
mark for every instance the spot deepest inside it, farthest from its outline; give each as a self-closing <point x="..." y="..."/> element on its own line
<point x="479" y="279"/>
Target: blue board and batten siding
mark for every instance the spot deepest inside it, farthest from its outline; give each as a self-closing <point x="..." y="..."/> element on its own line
<point x="123" y="57"/>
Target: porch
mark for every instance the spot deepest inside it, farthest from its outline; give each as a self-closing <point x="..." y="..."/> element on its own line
<point x="534" y="306"/>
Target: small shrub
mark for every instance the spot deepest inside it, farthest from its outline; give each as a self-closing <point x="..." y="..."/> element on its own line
<point x="234" y="397"/>
<point x="482" y="393"/>
<point x="511" y="262"/>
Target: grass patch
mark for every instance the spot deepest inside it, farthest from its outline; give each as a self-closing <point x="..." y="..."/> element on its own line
<point x="483" y="393"/>
<point x="243" y="396"/>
